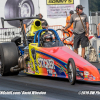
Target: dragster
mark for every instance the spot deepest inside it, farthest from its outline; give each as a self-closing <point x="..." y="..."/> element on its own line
<point x="39" y="58"/>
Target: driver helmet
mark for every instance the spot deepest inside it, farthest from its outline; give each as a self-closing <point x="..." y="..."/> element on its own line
<point x="48" y="37"/>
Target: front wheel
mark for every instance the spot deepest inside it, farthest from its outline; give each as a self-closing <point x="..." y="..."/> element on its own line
<point x="71" y="71"/>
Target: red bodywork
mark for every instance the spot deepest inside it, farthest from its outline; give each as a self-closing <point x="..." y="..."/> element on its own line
<point x="85" y="70"/>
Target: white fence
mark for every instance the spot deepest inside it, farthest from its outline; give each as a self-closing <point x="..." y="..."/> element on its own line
<point x="7" y="34"/>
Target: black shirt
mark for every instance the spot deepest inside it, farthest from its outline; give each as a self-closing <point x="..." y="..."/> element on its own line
<point x="44" y="22"/>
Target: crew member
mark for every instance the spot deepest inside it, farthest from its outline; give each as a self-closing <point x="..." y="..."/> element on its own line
<point x="68" y="18"/>
<point x="43" y="21"/>
<point x="80" y="35"/>
<point x="69" y="30"/>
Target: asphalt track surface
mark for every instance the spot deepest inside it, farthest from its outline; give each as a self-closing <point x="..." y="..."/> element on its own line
<point x="55" y="88"/>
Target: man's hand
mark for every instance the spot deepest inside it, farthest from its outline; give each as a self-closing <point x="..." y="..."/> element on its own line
<point x="67" y="21"/>
<point x="87" y="34"/>
<point x="62" y="29"/>
<point x="87" y="31"/>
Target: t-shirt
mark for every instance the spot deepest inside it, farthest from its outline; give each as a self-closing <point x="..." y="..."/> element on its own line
<point x="77" y="25"/>
<point x="44" y="22"/>
<point x="68" y="19"/>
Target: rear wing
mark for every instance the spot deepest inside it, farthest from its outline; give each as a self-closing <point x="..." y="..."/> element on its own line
<point x="21" y="23"/>
<point x="20" y="19"/>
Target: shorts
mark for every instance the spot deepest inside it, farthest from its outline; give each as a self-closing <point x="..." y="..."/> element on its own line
<point x="80" y="39"/>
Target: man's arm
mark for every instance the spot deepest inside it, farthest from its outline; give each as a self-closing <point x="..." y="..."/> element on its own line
<point x="87" y="29"/>
<point x="66" y="27"/>
<point x="87" y="26"/>
<point x="69" y="25"/>
<point x="67" y="20"/>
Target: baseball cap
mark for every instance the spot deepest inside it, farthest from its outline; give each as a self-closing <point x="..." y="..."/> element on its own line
<point x="40" y="14"/>
<point x="71" y="12"/>
<point x="79" y="7"/>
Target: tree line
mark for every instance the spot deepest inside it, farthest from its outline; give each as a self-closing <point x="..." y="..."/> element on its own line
<point x="94" y="5"/>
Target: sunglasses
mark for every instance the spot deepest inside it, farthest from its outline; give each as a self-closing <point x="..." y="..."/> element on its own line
<point x="81" y="8"/>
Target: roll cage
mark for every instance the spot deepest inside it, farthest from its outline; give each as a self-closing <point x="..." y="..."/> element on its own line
<point x="38" y="33"/>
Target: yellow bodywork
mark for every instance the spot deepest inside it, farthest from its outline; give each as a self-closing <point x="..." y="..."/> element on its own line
<point x="34" y="27"/>
<point x="31" y="63"/>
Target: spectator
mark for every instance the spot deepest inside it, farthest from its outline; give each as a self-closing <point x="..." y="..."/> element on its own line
<point x="68" y="18"/>
<point x="80" y="35"/>
<point x="43" y="21"/>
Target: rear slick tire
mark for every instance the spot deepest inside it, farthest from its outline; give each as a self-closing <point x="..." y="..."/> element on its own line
<point x="9" y="58"/>
<point x="17" y="9"/>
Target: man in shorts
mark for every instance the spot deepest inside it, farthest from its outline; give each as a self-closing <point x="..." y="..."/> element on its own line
<point x="81" y="37"/>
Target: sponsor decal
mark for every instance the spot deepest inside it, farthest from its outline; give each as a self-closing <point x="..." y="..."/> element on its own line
<point x="86" y="73"/>
<point x="62" y="70"/>
<point x="33" y="44"/>
<point x="86" y="76"/>
<point x="30" y="70"/>
<point x="50" y="71"/>
<point x="93" y="78"/>
<point x="55" y="2"/>
<point x="81" y="74"/>
<point x="46" y="63"/>
<point x="90" y="77"/>
<point x="77" y="69"/>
